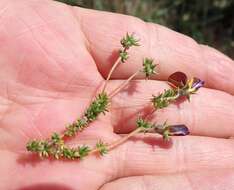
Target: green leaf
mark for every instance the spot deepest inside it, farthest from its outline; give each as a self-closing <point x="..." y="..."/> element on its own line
<point x="164" y="99"/>
<point x="123" y="55"/>
<point x="83" y="151"/>
<point x="73" y="128"/>
<point x="149" y="67"/>
<point x="99" y="105"/>
<point x="56" y="138"/>
<point x="129" y="41"/>
<point x="141" y="123"/>
<point x="102" y="148"/>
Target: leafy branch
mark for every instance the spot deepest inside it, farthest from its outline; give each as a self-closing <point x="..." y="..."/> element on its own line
<point x="55" y="146"/>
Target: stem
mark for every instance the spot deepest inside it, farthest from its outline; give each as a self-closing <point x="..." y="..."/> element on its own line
<point x="151" y="113"/>
<point x="137" y="130"/>
<point x="122" y="140"/>
<point x="111" y="71"/>
<point x="121" y="86"/>
<point x="118" y="142"/>
<point x="173" y="97"/>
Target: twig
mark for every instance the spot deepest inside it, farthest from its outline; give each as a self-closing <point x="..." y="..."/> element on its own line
<point x="111" y="72"/>
<point x="121" y="86"/>
<point x="118" y="142"/>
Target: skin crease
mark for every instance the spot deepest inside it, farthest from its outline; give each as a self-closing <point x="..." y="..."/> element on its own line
<point x="53" y="60"/>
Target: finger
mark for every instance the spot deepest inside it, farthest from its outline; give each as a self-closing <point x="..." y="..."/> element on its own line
<point x="148" y="155"/>
<point x="171" y="50"/>
<point x="203" y="180"/>
<point x="209" y="113"/>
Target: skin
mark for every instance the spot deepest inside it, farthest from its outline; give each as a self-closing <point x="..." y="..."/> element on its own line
<point x="54" y="59"/>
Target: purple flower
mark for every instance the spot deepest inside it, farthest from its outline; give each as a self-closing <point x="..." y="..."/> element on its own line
<point x="178" y="130"/>
<point x="171" y="130"/>
<point x="197" y="83"/>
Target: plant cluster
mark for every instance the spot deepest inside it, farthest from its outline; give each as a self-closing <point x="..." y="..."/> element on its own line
<point x="181" y="87"/>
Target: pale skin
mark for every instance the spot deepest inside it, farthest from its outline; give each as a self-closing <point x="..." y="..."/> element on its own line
<point x="54" y="58"/>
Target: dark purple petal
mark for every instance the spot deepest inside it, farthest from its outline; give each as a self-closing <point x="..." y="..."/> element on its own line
<point x="178" y="130"/>
<point x="177" y="79"/>
<point x="198" y="83"/>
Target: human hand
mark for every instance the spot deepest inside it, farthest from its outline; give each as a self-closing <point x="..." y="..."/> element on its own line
<point x="53" y="60"/>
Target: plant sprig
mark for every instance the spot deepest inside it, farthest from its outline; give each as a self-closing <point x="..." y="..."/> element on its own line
<point x="164" y="99"/>
<point x="149" y="68"/>
<point x="55" y="146"/>
<point x="98" y="106"/>
<point x="129" y="40"/>
<point x="171" y="95"/>
<point x="126" y="42"/>
<point x="46" y="149"/>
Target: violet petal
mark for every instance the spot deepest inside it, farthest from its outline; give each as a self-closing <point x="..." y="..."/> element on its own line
<point x="178" y="130"/>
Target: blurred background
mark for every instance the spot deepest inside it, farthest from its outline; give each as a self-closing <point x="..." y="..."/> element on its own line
<point x="209" y="22"/>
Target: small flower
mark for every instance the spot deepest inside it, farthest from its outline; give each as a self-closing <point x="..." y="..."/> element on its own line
<point x="149" y="67"/>
<point x="193" y="86"/>
<point x="197" y="83"/>
<point x="129" y="41"/>
<point x="178" y="130"/>
<point x="171" y="130"/>
<point x="177" y="79"/>
<point x="183" y="86"/>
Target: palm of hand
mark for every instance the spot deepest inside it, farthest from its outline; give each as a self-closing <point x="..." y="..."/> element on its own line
<point x="50" y="73"/>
